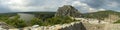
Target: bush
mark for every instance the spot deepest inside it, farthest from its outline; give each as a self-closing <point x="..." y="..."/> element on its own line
<point x="51" y="21"/>
<point x="16" y="22"/>
<point x="118" y="21"/>
<point x="59" y="20"/>
<point x="35" y="21"/>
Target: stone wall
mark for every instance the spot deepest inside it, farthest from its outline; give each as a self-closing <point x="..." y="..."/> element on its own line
<point x="73" y="25"/>
<point x="94" y="26"/>
<point x="77" y="26"/>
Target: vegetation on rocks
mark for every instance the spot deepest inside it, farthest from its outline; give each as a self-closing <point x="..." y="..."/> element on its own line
<point x="16" y="22"/>
<point x="118" y="21"/>
<point x="19" y="23"/>
<point x="51" y="21"/>
<point x="35" y="21"/>
<point x="59" y="20"/>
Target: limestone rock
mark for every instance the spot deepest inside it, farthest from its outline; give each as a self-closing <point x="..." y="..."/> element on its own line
<point x="67" y="10"/>
<point x="4" y="25"/>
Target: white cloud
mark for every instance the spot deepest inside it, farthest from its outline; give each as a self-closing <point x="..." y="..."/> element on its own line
<point x="22" y="5"/>
<point x="16" y="5"/>
<point x="101" y="9"/>
<point x="84" y="6"/>
<point x="16" y="2"/>
<point x="78" y="3"/>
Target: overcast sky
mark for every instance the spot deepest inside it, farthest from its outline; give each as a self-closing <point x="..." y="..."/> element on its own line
<point x="52" y="5"/>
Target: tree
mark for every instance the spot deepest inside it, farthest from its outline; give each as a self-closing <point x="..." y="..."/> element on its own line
<point x="16" y="22"/>
<point x="59" y="20"/>
<point x="36" y="21"/>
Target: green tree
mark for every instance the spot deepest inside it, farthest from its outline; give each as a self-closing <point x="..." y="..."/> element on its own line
<point x="59" y="20"/>
<point x="16" y="22"/>
<point x="36" y="21"/>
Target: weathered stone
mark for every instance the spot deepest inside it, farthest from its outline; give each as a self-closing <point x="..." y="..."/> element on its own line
<point x="4" y="25"/>
<point x="77" y="26"/>
<point x="67" y="10"/>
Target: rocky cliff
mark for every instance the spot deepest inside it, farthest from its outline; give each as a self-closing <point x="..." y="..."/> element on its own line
<point x="67" y="10"/>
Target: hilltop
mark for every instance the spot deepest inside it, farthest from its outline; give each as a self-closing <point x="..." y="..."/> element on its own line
<point x="101" y="14"/>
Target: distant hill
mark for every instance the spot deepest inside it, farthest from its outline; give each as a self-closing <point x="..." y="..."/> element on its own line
<point x="7" y="14"/>
<point x="101" y="14"/>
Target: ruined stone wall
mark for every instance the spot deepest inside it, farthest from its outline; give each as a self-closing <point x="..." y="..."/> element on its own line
<point x="94" y="26"/>
<point x="77" y="26"/>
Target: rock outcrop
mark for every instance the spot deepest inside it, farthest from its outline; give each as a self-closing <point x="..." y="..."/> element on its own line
<point x="67" y="10"/>
<point x="77" y="26"/>
<point x="4" y="26"/>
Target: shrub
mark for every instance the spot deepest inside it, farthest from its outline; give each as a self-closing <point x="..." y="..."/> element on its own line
<point x="16" y="22"/>
<point x="36" y="21"/>
<point x="118" y="21"/>
<point x="59" y="20"/>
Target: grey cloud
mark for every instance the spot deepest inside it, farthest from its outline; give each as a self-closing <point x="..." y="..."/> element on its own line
<point x="52" y="5"/>
<point x="44" y="2"/>
<point x="97" y="4"/>
<point x="4" y="9"/>
<point x="116" y="8"/>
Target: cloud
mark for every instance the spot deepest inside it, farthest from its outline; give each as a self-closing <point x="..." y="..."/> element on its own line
<point x="4" y="9"/>
<point x="83" y="6"/>
<point x="52" y="5"/>
<point x="113" y="4"/>
<point x="15" y="5"/>
<point x="104" y="4"/>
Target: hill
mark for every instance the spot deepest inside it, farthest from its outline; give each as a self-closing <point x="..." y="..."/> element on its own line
<point x="101" y="14"/>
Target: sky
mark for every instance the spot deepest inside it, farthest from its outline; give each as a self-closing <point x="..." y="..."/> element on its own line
<point x="52" y="5"/>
